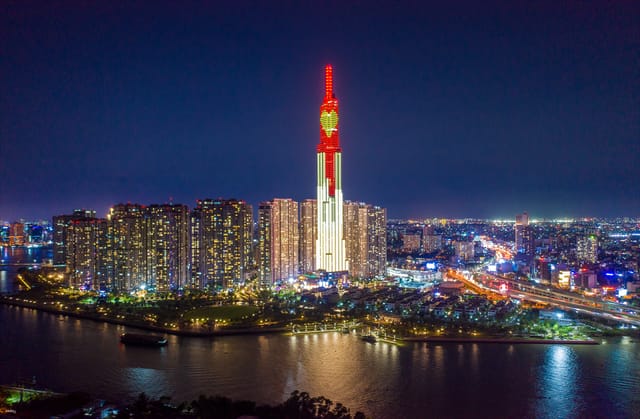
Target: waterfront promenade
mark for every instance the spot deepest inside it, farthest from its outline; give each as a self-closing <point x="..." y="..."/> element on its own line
<point x="299" y="329"/>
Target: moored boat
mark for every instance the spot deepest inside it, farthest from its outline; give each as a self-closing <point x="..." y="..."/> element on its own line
<point x="142" y="339"/>
<point x="369" y="338"/>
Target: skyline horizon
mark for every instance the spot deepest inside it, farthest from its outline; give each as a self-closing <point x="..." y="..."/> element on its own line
<point x="497" y="218"/>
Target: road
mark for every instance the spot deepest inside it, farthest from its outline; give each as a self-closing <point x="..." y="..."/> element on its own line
<point x="493" y="284"/>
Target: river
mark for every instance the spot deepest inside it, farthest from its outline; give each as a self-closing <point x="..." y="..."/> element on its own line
<point x="14" y="258"/>
<point x="382" y="380"/>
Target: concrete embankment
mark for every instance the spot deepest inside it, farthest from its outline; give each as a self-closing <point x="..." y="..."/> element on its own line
<point x="436" y="339"/>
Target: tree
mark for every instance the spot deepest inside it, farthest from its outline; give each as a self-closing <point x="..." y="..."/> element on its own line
<point x="140" y="407"/>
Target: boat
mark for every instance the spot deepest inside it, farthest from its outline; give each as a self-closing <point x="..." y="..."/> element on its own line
<point x="369" y="338"/>
<point x="142" y="339"/>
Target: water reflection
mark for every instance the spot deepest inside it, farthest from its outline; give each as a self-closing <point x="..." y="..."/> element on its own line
<point x="475" y="355"/>
<point x="13" y="258"/>
<point x="617" y="367"/>
<point x="386" y="381"/>
<point x="558" y="380"/>
<point x="145" y="378"/>
<point x="4" y="283"/>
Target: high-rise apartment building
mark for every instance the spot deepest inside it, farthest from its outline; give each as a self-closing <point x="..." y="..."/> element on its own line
<point x="136" y="247"/>
<point x="168" y="246"/>
<point x="524" y="240"/>
<point x="128" y="233"/>
<point x="264" y="243"/>
<point x="157" y="247"/>
<point x="430" y="240"/>
<point x="464" y="250"/>
<point x="366" y="239"/>
<point x="587" y="249"/>
<point x="522" y="221"/>
<point x="196" y="276"/>
<point x="411" y="242"/>
<point x="377" y="260"/>
<point x="330" y="246"/>
<point x="278" y="240"/>
<point x="60" y="226"/>
<point x="223" y="229"/>
<point x="356" y="224"/>
<point x="308" y="235"/>
<point x="88" y="254"/>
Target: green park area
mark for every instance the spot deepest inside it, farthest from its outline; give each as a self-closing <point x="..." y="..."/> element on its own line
<point x="227" y="313"/>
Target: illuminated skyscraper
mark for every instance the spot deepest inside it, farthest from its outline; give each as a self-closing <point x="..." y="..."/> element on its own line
<point x="587" y="249"/>
<point x="197" y="276"/>
<point x="224" y="230"/>
<point x="60" y="227"/>
<point x="464" y="250"/>
<point x="278" y="240"/>
<point x="430" y="240"/>
<point x="355" y="233"/>
<point x="524" y="235"/>
<point x="377" y="259"/>
<point x="168" y="246"/>
<point x="88" y="256"/>
<point x="136" y="247"/>
<point x="308" y="235"/>
<point x="525" y="243"/>
<point x="366" y="239"/>
<point x="128" y="233"/>
<point x="264" y="243"/>
<point x="330" y="247"/>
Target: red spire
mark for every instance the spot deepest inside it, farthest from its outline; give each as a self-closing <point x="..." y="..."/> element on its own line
<point x="328" y="81"/>
<point x="329" y="138"/>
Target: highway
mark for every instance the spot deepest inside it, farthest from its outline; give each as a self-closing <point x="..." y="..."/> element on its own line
<point x="483" y="282"/>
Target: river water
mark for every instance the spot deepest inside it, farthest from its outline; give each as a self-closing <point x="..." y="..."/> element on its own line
<point x="14" y="258"/>
<point x="382" y="380"/>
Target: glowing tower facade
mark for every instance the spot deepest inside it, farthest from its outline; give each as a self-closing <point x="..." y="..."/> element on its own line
<point x="330" y="246"/>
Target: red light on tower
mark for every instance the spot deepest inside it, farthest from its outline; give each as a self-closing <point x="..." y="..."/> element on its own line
<point x="328" y="82"/>
<point x="329" y="137"/>
<point x="330" y="244"/>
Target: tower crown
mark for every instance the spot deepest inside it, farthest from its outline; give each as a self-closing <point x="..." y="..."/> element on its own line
<point x="328" y="82"/>
<point x="329" y="118"/>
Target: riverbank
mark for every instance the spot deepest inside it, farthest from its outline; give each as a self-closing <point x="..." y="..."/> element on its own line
<point x="507" y="340"/>
<point x="12" y="301"/>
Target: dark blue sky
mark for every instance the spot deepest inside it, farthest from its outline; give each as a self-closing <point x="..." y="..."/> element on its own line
<point x="479" y="109"/>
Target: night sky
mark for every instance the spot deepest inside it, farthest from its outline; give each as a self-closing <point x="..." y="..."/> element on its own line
<point x="474" y="109"/>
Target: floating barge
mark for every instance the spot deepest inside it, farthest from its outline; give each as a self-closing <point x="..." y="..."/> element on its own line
<point x="141" y="339"/>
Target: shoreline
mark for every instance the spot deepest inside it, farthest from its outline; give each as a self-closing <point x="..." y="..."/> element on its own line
<point x="271" y="330"/>
<point x="185" y="333"/>
<point x="505" y="340"/>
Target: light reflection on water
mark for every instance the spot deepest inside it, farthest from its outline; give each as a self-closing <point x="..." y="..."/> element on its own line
<point x="558" y="380"/>
<point x="450" y="380"/>
<point x="4" y="282"/>
<point x="13" y="258"/>
<point x="153" y="380"/>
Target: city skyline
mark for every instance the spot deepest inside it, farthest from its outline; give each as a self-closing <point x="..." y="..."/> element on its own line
<point x="445" y="115"/>
<point x="408" y="208"/>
